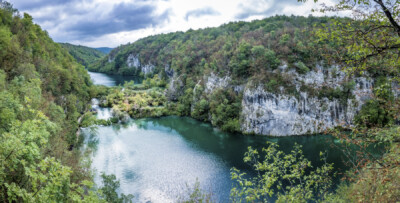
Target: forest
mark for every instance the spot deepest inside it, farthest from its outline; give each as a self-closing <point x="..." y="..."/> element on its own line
<point x="249" y="52"/>
<point x="45" y="95"/>
<point x="252" y="53"/>
<point x="83" y="55"/>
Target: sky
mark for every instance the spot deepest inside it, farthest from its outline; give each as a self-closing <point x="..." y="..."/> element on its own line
<point x="110" y="23"/>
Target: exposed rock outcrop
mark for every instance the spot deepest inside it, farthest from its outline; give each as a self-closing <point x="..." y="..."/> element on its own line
<point x="280" y="115"/>
<point x="175" y="88"/>
<point x="133" y="62"/>
<point x="276" y="114"/>
<point x="267" y="113"/>
<point x="215" y="82"/>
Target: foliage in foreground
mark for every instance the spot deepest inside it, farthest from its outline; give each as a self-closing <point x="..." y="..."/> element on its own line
<point x="371" y="44"/>
<point x="109" y="190"/>
<point x="43" y="92"/>
<point x="288" y="177"/>
<point x="370" y="41"/>
<point x="378" y="181"/>
<point x="195" y="195"/>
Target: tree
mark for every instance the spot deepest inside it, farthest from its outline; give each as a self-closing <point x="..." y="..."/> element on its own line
<point x="240" y="63"/>
<point x="37" y="78"/>
<point x="371" y="40"/>
<point x="370" y="43"/>
<point x="109" y="190"/>
<point x="5" y="39"/>
<point x="264" y="57"/>
<point x="289" y="177"/>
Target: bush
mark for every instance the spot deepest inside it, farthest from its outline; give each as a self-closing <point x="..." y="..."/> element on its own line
<point x="109" y="190"/>
<point x="232" y="125"/>
<point x="200" y="110"/>
<point x="290" y="177"/>
<point x="373" y="114"/>
<point x="302" y="68"/>
<point x="225" y="108"/>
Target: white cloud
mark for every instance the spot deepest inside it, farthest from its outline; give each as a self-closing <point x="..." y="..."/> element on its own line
<point x="64" y="20"/>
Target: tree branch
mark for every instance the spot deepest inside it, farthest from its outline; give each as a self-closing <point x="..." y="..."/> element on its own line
<point x="389" y="16"/>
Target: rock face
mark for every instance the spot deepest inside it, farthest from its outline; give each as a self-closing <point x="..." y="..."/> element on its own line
<point x="133" y="62"/>
<point x="175" y="88"/>
<point x="268" y="113"/>
<point x="169" y="71"/>
<point x="215" y="82"/>
<point x="280" y="115"/>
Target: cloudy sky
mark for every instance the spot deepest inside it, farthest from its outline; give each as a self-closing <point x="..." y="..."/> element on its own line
<point x="98" y="23"/>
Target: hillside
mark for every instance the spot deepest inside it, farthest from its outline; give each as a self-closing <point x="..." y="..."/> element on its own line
<point x="43" y="92"/>
<point x="225" y="49"/>
<point x="84" y="55"/>
<point x="269" y="77"/>
<point x="280" y="76"/>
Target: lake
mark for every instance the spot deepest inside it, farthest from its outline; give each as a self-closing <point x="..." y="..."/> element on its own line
<point x="112" y="80"/>
<point x="157" y="159"/>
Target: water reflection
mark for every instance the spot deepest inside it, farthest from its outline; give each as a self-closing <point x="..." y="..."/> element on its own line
<point x="155" y="158"/>
<point x="112" y="80"/>
<point x="92" y="141"/>
<point x="153" y="162"/>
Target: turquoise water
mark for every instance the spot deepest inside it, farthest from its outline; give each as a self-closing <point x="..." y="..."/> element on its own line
<point x="156" y="158"/>
<point x="112" y="80"/>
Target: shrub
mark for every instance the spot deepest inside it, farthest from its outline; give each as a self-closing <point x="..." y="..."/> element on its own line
<point x="109" y="190"/>
<point x="275" y="171"/>
<point x="302" y="68"/>
<point x="373" y="114"/>
<point x="232" y="125"/>
<point x="200" y="110"/>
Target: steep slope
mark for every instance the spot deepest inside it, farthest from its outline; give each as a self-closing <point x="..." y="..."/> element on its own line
<point x="84" y="55"/>
<point x="267" y="77"/>
<point x="43" y="91"/>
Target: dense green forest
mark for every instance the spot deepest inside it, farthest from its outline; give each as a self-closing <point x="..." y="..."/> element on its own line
<point x="43" y="93"/>
<point x="84" y="55"/>
<point x="240" y="48"/>
<point x="249" y="52"/>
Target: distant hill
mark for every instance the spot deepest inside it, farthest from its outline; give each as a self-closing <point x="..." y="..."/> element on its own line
<point x="241" y="49"/>
<point x="105" y="50"/>
<point x="84" y="55"/>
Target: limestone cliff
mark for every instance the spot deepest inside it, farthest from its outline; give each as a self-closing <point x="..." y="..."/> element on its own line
<point x="280" y="114"/>
<point x="133" y="62"/>
<point x="269" y="113"/>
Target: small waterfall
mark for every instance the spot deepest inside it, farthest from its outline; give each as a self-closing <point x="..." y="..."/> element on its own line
<point x="102" y="113"/>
